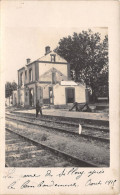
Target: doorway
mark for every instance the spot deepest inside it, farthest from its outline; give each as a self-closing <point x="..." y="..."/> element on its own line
<point x="31" y="98"/>
<point x="70" y="95"/>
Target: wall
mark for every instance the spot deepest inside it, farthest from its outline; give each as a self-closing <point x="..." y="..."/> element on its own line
<point x="31" y="66"/>
<point x="47" y="76"/>
<point x="19" y="73"/>
<point x="21" y="97"/>
<point x="26" y="99"/>
<point x="43" y="93"/>
<point x="35" y="73"/>
<point x="44" y="67"/>
<point x="60" y="77"/>
<point x="40" y="94"/>
<point x="14" y="98"/>
<point x="60" y="97"/>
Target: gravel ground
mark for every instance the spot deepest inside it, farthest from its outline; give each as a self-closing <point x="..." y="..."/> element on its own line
<point x="20" y="153"/>
<point x="93" y="151"/>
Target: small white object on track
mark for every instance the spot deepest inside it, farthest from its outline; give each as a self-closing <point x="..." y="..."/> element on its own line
<point x="80" y="129"/>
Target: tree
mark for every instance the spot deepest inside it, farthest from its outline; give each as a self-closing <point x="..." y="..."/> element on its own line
<point x="87" y="55"/>
<point x="103" y="77"/>
<point x="9" y="88"/>
<point x="14" y="85"/>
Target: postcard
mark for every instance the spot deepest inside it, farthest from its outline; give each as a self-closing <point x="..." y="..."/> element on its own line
<point x="59" y="97"/>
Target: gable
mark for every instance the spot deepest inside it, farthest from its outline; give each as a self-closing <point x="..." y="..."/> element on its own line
<point x="47" y="76"/>
<point x="47" y="58"/>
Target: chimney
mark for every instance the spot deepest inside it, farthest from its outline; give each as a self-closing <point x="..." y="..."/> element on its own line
<point x="28" y="60"/>
<point x="47" y="50"/>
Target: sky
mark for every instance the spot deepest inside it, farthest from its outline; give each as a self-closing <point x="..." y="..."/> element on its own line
<point x="27" y="28"/>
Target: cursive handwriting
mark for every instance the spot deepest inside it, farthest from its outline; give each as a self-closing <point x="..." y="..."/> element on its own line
<point x="48" y="173"/>
<point x="66" y="177"/>
<point x="91" y="183"/>
<point x="10" y="173"/>
<point x="110" y="182"/>
<point x="27" y="185"/>
<point x="44" y="184"/>
<point x="95" y="172"/>
<point x="12" y="185"/>
<point x="27" y="175"/>
<point x="73" y="171"/>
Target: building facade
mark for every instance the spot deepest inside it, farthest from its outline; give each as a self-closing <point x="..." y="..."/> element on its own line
<point x="43" y="79"/>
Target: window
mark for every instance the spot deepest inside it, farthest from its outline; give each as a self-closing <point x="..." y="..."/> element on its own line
<point x="53" y="78"/>
<point x="50" y="95"/>
<point x="53" y="58"/>
<point x="21" y="78"/>
<point x="25" y="74"/>
<point x="30" y="75"/>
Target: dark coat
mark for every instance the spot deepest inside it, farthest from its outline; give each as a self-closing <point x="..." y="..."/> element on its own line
<point x="38" y="106"/>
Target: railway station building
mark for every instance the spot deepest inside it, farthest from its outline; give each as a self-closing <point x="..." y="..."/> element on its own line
<point x="47" y="79"/>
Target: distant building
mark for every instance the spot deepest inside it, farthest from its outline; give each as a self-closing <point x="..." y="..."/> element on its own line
<point x="47" y="79"/>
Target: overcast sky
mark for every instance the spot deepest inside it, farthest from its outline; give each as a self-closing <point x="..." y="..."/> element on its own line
<point x="26" y="32"/>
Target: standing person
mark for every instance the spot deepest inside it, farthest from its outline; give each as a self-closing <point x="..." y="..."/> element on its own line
<point x="38" y="108"/>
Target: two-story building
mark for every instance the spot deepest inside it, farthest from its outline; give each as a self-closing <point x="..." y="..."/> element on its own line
<point x="47" y="79"/>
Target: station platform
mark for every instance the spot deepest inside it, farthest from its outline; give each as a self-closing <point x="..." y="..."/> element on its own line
<point x="69" y="114"/>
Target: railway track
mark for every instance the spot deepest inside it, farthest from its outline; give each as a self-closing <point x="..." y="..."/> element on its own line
<point x="22" y="151"/>
<point x="104" y="129"/>
<point x="91" y="134"/>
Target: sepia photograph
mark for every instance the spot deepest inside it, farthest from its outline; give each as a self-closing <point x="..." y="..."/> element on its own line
<point x="57" y="109"/>
<point x="59" y="97"/>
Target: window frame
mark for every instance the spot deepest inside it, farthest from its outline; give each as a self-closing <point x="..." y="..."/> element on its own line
<point x="53" y="58"/>
<point x="30" y="75"/>
<point x="25" y="74"/>
<point x="21" y="78"/>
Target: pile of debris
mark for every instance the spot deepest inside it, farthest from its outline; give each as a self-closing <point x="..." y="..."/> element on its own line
<point x="81" y="107"/>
